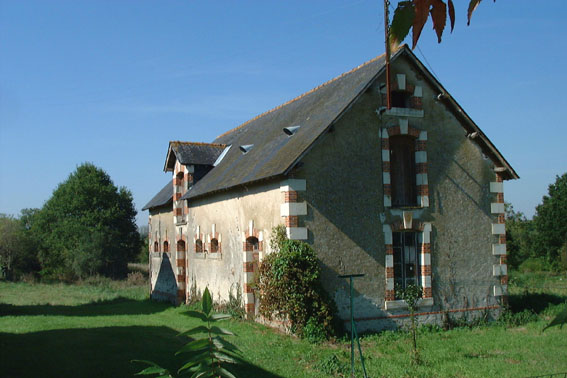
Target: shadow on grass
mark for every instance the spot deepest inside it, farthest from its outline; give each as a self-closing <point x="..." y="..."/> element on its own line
<point x="536" y="302"/>
<point x="117" y="306"/>
<point x="94" y="352"/>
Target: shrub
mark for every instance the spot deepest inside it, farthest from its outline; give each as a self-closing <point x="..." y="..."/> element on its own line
<point x="534" y="264"/>
<point x="289" y="287"/>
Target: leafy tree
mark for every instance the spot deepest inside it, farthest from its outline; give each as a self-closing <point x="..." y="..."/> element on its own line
<point x="519" y="236"/>
<point x="87" y="227"/>
<point x="413" y="14"/>
<point x="18" y="254"/>
<point x="550" y="222"/>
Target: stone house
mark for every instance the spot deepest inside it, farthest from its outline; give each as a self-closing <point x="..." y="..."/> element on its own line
<point x="413" y="194"/>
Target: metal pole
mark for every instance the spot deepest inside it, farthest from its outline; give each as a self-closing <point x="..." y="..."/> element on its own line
<point x="351" y="329"/>
<point x="387" y="37"/>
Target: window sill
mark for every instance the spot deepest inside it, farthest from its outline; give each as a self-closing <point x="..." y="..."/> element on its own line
<point x="214" y="256"/>
<point x="200" y="255"/>
<point x="404" y="112"/>
<point x="401" y="305"/>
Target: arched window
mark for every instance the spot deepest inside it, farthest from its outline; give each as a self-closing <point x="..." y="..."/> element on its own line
<point x="198" y="245"/>
<point x="181" y="246"/>
<point x="252" y="244"/>
<point x="402" y="171"/>
<point x="214" y="245"/>
<point x="156" y="246"/>
<point x="165" y="246"/>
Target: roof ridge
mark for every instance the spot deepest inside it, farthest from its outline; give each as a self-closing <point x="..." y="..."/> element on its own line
<point x="221" y="145"/>
<point x="302" y="95"/>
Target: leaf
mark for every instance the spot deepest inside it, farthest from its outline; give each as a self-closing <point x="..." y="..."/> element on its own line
<point x="224" y="357"/>
<point x="152" y="369"/>
<point x="225" y="373"/>
<point x="221" y="331"/>
<point x="221" y="316"/>
<point x="451" y="14"/>
<point x="439" y="17"/>
<point x="401" y="22"/>
<point x="207" y="302"/>
<point x="421" y="8"/>
<point x="472" y="6"/>
<point x="196" y="314"/>
<point x="193" y="346"/>
<point x="196" y="359"/>
<point x="192" y="331"/>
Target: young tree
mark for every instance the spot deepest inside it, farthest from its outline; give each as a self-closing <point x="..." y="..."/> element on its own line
<point x="550" y="222"/>
<point x="519" y="236"/>
<point x="18" y="253"/>
<point x="87" y="227"/>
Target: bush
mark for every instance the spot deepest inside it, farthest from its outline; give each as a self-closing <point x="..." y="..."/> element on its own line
<point x="289" y="288"/>
<point x="534" y="264"/>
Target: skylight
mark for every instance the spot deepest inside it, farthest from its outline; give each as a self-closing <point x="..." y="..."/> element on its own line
<point x="222" y="155"/>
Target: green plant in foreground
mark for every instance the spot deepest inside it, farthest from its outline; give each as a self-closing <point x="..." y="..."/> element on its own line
<point x="411" y="295"/>
<point x="209" y="355"/>
<point x="560" y="319"/>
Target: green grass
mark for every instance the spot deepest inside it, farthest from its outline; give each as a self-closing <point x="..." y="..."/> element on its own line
<point x="94" y="330"/>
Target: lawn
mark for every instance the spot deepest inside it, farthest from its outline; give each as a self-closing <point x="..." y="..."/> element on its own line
<point x="95" y="329"/>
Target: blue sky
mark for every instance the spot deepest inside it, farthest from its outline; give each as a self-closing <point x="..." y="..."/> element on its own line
<point x="112" y="82"/>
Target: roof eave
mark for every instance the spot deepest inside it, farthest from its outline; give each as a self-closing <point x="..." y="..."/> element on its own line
<point x="486" y="145"/>
<point x="170" y="158"/>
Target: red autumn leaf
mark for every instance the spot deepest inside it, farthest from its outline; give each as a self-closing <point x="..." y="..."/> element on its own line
<point x="451" y="14"/>
<point x="421" y="8"/>
<point x="439" y="17"/>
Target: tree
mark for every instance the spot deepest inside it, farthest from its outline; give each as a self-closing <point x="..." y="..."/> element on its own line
<point x="519" y="236"/>
<point x="87" y="227"/>
<point x="18" y="254"/>
<point x="413" y="14"/>
<point x="550" y="222"/>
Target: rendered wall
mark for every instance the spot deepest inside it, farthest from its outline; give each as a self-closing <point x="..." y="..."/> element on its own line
<point x="347" y="213"/>
<point x="162" y="265"/>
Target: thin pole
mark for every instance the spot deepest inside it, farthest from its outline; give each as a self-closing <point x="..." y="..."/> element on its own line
<point x="387" y="40"/>
<point x="351" y="330"/>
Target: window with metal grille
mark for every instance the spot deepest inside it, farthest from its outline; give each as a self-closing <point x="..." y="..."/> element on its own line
<point x="406" y="259"/>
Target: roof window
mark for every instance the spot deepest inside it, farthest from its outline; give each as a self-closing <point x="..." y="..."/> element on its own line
<point x="289" y="131"/>
<point x="245" y="148"/>
<point x="222" y="155"/>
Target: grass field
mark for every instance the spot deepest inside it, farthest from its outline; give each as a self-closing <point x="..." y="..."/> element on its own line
<point x="94" y="330"/>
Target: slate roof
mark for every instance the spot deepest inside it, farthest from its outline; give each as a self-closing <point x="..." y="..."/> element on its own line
<point x="164" y="197"/>
<point x="192" y="153"/>
<point x="274" y="153"/>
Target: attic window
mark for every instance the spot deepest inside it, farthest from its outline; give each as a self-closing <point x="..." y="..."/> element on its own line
<point x="289" y="131"/>
<point x="245" y="148"/>
<point x="222" y="155"/>
<point x="400" y="99"/>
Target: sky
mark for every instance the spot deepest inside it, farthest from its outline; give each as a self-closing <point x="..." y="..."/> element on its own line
<point x="112" y="82"/>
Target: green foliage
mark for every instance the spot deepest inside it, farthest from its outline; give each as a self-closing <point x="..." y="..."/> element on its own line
<point x="86" y="227"/>
<point x="143" y="256"/>
<point x="209" y="356"/>
<point x="234" y="306"/>
<point x="519" y="237"/>
<point x="560" y="319"/>
<point x="289" y="287"/>
<point x="412" y="15"/>
<point x="332" y="366"/>
<point x="17" y="246"/>
<point x="550" y="222"/>
<point x="411" y="294"/>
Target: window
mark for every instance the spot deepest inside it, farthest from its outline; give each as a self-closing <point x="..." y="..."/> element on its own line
<point x="198" y="245"/>
<point x="400" y="99"/>
<point x="165" y="246"/>
<point x="214" y="245"/>
<point x="181" y="246"/>
<point x="156" y="246"/>
<point x="406" y="259"/>
<point x="402" y="171"/>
